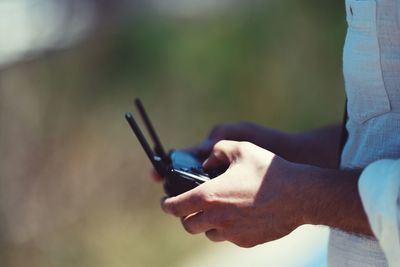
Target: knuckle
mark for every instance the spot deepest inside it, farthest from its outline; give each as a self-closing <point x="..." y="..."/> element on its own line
<point x="173" y="209"/>
<point x="219" y="219"/>
<point x="240" y="149"/>
<point x="211" y="235"/>
<point x="244" y="145"/>
<point x="212" y="219"/>
<point x="187" y="225"/>
<point x="208" y="197"/>
<point x="222" y="145"/>
<point x="215" y="235"/>
<point x="241" y="240"/>
<point x="245" y="243"/>
<point x="219" y="145"/>
<point x="201" y="198"/>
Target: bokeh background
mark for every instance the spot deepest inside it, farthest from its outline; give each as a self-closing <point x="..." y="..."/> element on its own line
<point x="75" y="188"/>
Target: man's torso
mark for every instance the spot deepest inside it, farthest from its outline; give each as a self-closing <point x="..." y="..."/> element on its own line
<point x="371" y="66"/>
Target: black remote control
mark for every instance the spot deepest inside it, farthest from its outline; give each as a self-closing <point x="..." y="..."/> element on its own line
<point x="181" y="170"/>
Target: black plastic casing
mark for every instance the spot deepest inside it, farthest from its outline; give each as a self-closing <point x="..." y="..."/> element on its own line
<point x="185" y="173"/>
<point x="177" y="183"/>
<point x="181" y="170"/>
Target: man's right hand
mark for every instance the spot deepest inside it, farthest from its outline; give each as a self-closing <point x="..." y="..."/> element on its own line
<point x="228" y="131"/>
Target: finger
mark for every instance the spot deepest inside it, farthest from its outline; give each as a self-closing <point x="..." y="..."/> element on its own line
<point x="223" y="153"/>
<point x="156" y="177"/>
<point x="190" y="202"/>
<point x="196" y="223"/>
<point x="202" y="150"/>
<point x="218" y="133"/>
<point x="215" y="235"/>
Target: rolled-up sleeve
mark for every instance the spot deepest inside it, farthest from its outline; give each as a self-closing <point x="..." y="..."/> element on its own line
<point x="379" y="187"/>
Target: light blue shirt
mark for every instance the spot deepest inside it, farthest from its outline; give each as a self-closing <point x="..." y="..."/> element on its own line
<point x="371" y="66"/>
<point x="379" y="187"/>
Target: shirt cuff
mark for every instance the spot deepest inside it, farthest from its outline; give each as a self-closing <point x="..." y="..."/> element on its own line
<point x="379" y="187"/>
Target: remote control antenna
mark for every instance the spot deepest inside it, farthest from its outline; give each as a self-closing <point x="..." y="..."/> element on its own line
<point x="157" y="162"/>
<point x="159" y="149"/>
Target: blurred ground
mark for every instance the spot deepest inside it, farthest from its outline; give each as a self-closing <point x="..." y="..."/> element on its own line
<point x="74" y="183"/>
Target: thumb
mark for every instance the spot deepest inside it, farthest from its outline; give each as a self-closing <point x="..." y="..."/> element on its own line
<point x="223" y="153"/>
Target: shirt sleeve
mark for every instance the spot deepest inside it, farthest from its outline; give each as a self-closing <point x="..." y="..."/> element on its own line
<point x="379" y="187"/>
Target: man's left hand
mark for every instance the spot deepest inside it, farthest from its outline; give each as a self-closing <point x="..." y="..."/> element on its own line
<point x="255" y="201"/>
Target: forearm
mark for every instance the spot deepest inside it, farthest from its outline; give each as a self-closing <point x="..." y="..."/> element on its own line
<point x="331" y="198"/>
<point x="320" y="147"/>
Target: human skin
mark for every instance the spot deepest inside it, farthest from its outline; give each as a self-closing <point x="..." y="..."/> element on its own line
<point x="318" y="147"/>
<point x="263" y="196"/>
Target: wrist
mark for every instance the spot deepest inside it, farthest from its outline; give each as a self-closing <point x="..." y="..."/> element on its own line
<point x="330" y="197"/>
<point x="294" y="182"/>
<point x="311" y="193"/>
<point x="320" y="194"/>
<point x="304" y="194"/>
<point x="316" y="194"/>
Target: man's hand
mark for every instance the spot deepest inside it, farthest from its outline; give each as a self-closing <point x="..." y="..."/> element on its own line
<point x="226" y="131"/>
<point x="263" y="197"/>
<point x="253" y="202"/>
<point x="244" y="131"/>
<point x="318" y="147"/>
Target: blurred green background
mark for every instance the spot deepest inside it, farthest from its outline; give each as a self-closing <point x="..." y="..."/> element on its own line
<point x="75" y="188"/>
